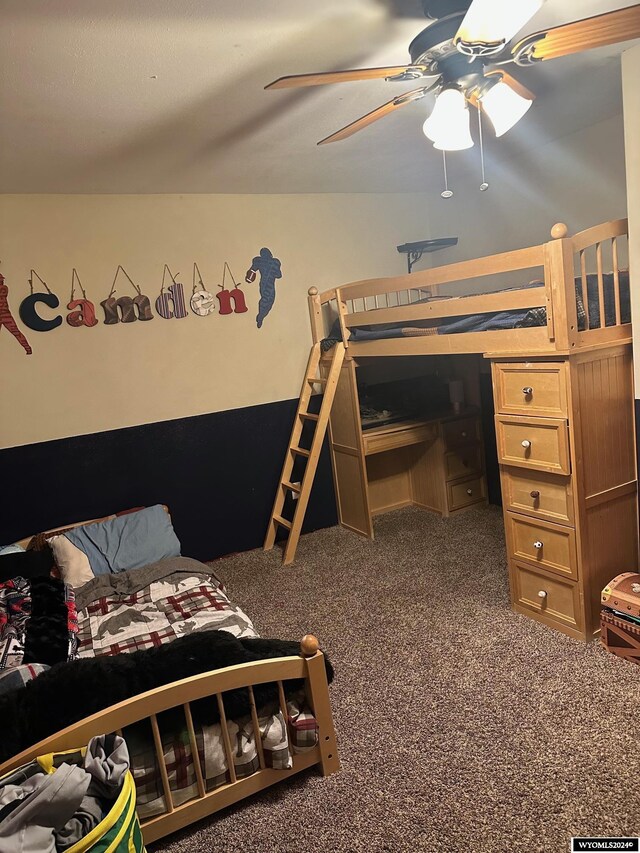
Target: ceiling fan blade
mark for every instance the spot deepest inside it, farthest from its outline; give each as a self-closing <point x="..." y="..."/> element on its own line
<point x="298" y="80"/>
<point x="599" y="31"/>
<point x="374" y="115"/>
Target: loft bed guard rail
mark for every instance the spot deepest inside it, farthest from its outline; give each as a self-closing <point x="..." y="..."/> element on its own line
<point x="582" y="269"/>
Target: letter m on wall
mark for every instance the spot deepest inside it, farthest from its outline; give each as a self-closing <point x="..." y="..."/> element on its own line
<point x="126" y="309"/>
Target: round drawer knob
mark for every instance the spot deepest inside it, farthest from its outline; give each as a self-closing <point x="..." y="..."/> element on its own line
<point x="527" y="391"/>
<point x="463" y="434"/>
<point x="542" y="593"/>
<point x="535" y="494"/>
<point x="537" y="544"/>
<point x="526" y="444"/>
<point x="469" y="491"/>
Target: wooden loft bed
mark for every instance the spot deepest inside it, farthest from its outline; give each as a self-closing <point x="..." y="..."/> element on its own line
<point x="564" y="404"/>
<point x="396" y="300"/>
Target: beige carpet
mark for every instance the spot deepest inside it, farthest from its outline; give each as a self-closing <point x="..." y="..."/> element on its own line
<point x="461" y="725"/>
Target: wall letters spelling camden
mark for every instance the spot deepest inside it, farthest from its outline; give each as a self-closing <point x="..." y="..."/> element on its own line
<point x="169" y="305"/>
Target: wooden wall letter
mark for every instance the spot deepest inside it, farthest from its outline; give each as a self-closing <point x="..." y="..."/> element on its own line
<point x="83" y="313"/>
<point x="170" y="303"/>
<point x="30" y="316"/>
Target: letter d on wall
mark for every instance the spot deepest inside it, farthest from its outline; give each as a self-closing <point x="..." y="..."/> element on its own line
<point x="173" y="297"/>
<point x="30" y="316"/>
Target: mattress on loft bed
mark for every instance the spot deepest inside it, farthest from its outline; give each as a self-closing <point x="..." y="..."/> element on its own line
<point x="496" y="320"/>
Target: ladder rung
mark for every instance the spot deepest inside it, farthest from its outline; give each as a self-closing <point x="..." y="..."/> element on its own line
<point x="282" y="521"/>
<point x="308" y="416"/>
<point x="301" y="451"/>
<point x="291" y="486"/>
<point x="317" y="381"/>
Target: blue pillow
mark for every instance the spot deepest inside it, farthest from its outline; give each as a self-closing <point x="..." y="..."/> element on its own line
<point x="127" y="542"/>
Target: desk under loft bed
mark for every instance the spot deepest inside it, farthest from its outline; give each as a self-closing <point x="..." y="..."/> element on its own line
<point x="561" y="363"/>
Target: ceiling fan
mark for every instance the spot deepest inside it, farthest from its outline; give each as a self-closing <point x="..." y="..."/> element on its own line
<point x="463" y="52"/>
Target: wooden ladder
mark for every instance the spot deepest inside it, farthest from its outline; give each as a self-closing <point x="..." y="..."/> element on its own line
<point x="295" y="451"/>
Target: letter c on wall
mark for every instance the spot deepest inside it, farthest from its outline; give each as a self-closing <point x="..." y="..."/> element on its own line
<point x="30" y="316"/>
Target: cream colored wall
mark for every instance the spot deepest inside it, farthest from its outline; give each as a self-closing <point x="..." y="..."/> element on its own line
<point x="87" y="380"/>
<point x="578" y="179"/>
<point x="82" y="380"/>
<point x="631" y="95"/>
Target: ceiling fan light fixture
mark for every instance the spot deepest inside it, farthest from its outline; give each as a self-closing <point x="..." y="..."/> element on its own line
<point x="448" y="125"/>
<point x="490" y="24"/>
<point x="504" y="107"/>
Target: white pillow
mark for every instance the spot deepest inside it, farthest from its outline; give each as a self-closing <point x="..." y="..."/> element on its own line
<point x="72" y="562"/>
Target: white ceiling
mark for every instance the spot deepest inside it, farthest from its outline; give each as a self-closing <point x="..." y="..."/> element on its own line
<point x="151" y="96"/>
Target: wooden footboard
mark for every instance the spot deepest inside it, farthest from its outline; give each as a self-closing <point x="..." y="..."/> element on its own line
<point x="310" y="666"/>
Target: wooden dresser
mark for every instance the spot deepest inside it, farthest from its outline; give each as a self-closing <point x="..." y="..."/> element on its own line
<point x="566" y="447"/>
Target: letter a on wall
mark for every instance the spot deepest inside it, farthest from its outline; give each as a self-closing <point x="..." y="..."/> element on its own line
<point x="83" y="312"/>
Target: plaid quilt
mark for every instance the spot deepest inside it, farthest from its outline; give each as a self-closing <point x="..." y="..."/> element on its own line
<point x="184" y="596"/>
<point x="158" y="613"/>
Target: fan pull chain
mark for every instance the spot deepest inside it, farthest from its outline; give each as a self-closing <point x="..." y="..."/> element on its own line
<point x="446" y="192"/>
<point x="484" y="185"/>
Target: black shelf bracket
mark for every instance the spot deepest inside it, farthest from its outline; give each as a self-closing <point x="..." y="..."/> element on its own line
<point x="414" y="251"/>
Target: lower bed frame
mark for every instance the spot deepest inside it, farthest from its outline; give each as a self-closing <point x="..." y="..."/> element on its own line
<point x="310" y="666"/>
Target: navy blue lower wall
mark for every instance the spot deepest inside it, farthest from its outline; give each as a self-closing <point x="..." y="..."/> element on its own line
<point x="217" y="474"/>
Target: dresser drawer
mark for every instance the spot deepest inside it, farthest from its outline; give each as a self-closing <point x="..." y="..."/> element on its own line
<point x="550" y="599"/>
<point x="465" y="492"/>
<point x="545" y="545"/>
<point x="536" y="493"/>
<point x="538" y="443"/>
<point x="460" y="432"/>
<point x="463" y="462"/>
<point x="531" y="389"/>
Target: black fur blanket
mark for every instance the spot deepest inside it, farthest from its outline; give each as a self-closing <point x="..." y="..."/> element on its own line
<point x="68" y="692"/>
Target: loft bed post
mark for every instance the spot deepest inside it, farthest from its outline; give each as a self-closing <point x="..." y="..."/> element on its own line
<point x="315" y="315"/>
<point x="342" y="317"/>
<point x="562" y="316"/>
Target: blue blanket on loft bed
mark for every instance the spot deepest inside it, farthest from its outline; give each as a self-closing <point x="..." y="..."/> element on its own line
<point x="497" y="320"/>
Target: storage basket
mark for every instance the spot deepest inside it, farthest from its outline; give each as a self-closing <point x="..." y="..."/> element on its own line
<point x="119" y="831"/>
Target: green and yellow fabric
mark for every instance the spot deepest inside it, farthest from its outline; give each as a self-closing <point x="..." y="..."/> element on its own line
<point x="119" y="831"/>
